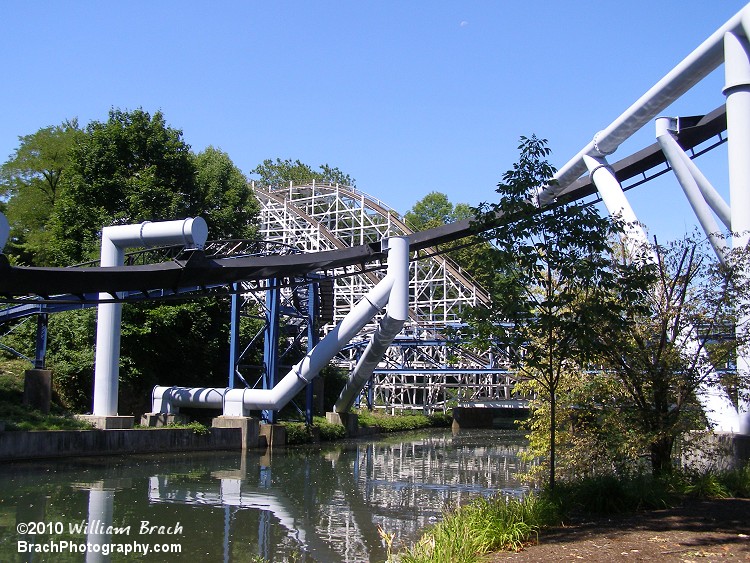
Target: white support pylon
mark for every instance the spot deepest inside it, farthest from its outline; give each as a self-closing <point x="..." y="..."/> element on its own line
<point x="737" y="92"/>
<point x="676" y="158"/>
<point x="190" y="232"/>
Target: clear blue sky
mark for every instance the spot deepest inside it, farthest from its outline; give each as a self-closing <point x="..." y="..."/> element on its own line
<point x="407" y="97"/>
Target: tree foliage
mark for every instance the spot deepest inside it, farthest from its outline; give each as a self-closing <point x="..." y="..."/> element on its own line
<point x="553" y="278"/>
<point x="128" y="169"/>
<point x="618" y="348"/>
<point x="470" y="253"/>
<point x="280" y="173"/>
<point x="432" y="210"/>
<point x="226" y="199"/>
<point x="31" y="181"/>
<point x="675" y="342"/>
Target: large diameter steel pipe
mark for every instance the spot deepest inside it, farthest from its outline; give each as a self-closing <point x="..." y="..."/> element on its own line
<point x="676" y="159"/>
<point x="389" y="327"/>
<point x="618" y="206"/>
<point x="191" y="232"/>
<point x="168" y="400"/>
<point x="691" y="70"/>
<point x="238" y="402"/>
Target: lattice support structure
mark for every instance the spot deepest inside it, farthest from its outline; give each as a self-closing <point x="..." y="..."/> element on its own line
<point x="423" y="370"/>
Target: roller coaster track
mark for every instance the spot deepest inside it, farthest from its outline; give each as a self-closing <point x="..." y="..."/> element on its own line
<point x="195" y="270"/>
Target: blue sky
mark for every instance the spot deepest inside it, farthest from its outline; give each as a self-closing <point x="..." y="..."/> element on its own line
<point x="407" y="97"/>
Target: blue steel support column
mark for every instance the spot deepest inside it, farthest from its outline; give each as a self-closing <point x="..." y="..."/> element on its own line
<point x="264" y="518"/>
<point x="271" y="343"/>
<point x="312" y="340"/>
<point x="234" y="335"/>
<point x="41" y="340"/>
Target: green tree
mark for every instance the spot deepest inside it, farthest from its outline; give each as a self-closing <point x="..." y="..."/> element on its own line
<point x="432" y="210"/>
<point x="31" y="181"/>
<point x="280" y="173"/>
<point x="226" y="200"/>
<point x="435" y="210"/>
<point x="129" y="169"/>
<point x="553" y="278"/>
<point x="672" y="339"/>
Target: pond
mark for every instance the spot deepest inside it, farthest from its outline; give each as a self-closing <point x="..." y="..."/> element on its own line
<point x="306" y="503"/>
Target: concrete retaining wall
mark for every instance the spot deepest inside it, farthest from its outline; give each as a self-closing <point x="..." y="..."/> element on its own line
<point x="64" y="443"/>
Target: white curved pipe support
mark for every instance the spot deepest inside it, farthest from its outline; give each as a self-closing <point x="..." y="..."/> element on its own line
<point x="676" y="158"/>
<point x="720" y="412"/>
<point x="239" y="402"/>
<point x="100" y="518"/>
<point x="191" y="232"/>
<point x="618" y="206"/>
<point x="389" y="327"/>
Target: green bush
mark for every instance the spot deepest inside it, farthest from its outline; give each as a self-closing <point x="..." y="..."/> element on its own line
<point x="329" y="431"/>
<point x="300" y="433"/>
<point x="610" y="494"/>
<point x="737" y="481"/>
<point x="18" y="416"/>
<point x="399" y="422"/>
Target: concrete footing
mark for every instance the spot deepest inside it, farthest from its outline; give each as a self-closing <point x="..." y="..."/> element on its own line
<point x="272" y="435"/>
<point x="349" y="421"/>
<point x="108" y="422"/>
<point x="37" y="389"/>
<point x="717" y="451"/>
<point x="159" y="419"/>
<point x="248" y="425"/>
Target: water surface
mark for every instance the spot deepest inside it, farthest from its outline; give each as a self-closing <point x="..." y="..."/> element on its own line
<point x="311" y="503"/>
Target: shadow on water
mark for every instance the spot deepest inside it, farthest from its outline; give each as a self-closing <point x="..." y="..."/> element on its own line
<point x="311" y="503"/>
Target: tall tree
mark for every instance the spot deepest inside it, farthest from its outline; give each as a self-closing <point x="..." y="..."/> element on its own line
<point x="553" y="278"/>
<point x="133" y="168"/>
<point x="32" y="180"/>
<point x="432" y="210"/>
<point x="226" y="200"/>
<point x="470" y="253"/>
<point x="674" y="335"/>
<point x="129" y="169"/>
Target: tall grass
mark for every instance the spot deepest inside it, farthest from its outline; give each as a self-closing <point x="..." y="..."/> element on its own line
<point x="481" y="527"/>
<point x="488" y="525"/>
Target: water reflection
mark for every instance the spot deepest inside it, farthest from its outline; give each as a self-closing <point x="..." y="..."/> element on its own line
<point x="316" y="503"/>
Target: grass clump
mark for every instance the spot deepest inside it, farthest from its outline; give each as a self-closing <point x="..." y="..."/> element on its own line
<point x="18" y="416"/>
<point x="196" y="427"/>
<point x="329" y="431"/>
<point x="610" y="494"/>
<point x="737" y="481"/>
<point x="481" y="527"/>
<point x="488" y="525"/>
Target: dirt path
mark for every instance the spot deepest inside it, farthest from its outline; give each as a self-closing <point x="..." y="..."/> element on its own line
<point x="699" y="531"/>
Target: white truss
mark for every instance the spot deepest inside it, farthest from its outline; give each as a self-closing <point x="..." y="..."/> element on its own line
<point x="318" y="217"/>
